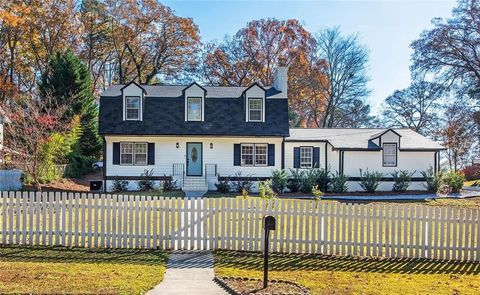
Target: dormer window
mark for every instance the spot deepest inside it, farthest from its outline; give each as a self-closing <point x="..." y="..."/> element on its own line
<point x="255" y="109"/>
<point x="194" y="109"/>
<point x="132" y="108"/>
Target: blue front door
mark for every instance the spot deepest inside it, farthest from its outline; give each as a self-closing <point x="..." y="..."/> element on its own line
<point x="194" y="159"/>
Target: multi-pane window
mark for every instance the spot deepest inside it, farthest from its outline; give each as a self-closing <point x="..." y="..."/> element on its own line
<point x="255" y="109"/>
<point x="306" y="157"/>
<point x="254" y="154"/>
<point x="247" y="154"/>
<point x="390" y="154"/>
<point x="133" y="153"/>
<point x="260" y="155"/>
<point x="132" y="108"/>
<point x="194" y="109"/>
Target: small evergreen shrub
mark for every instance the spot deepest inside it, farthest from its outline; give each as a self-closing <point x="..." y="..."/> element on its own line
<point x="242" y="183"/>
<point x="78" y="165"/>
<point x="370" y="180"/>
<point x="308" y="180"/>
<point x="223" y="186"/>
<point x="339" y="183"/>
<point x="454" y="181"/>
<point x="401" y="180"/>
<point x="279" y="180"/>
<point x="434" y="181"/>
<point x="147" y="184"/>
<point x="322" y="179"/>
<point x="169" y="184"/>
<point x="119" y="185"/>
<point x="293" y="184"/>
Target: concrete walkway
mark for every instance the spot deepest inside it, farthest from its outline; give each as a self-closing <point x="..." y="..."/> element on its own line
<point x="189" y="272"/>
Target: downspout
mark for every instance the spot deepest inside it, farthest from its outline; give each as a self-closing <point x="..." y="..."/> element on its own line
<point x="283" y="153"/>
<point x="104" y="168"/>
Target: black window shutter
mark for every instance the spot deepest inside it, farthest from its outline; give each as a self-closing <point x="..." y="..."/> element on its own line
<point x="116" y="153"/>
<point x="296" y="157"/>
<point x="271" y="155"/>
<point x="236" y="154"/>
<point x="316" y="157"/>
<point x="151" y="153"/>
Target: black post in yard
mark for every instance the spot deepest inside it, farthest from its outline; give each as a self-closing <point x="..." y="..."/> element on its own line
<point x="268" y="225"/>
<point x="265" y="259"/>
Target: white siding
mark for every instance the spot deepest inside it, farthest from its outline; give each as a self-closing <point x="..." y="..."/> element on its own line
<point x="255" y="92"/>
<point x="133" y="90"/>
<point x="371" y="160"/>
<point x="166" y="154"/>
<point x="390" y="137"/>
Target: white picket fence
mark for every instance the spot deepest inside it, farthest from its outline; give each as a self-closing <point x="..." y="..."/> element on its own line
<point x="127" y="221"/>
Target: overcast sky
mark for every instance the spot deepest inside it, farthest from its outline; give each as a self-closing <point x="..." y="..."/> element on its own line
<point x="386" y="27"/>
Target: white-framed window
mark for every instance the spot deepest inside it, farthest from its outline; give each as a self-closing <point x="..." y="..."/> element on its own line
<point x="255" y="109"/>
<point x="132" y="108"/>
<point x="306" y="157"/>
<point x="390" y="154"/>
<point x="194" y="109"/>
<point x="261" y="154"/>
<point x="247" y="154"/>
<point x="133" y="153"/>
<point x="254" y="154"/>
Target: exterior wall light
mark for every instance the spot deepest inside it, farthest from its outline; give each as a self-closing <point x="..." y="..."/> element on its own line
<point x="178" y="145"/>
<point x="211" y="145"/>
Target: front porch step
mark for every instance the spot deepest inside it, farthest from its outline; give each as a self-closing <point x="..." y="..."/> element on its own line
<point x="194" y="184"/>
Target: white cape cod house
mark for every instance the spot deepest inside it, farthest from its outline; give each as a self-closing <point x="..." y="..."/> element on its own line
<point x="197" y="135"/>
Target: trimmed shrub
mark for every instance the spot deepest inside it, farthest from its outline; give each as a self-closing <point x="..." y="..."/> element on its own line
<point x="242" y="183"/>
<point x="339" y="183"/>
<point x="293" y="184"/>
<point x="454" y="181"/>
<point x="119" y="185"/>
<point x="146" y="184"/>
<point x="322" y="179"/>
<point x="434" y="181"/>
<point x="223" y="186"/>
<point x="169" y="184"/>
<point x="370" y="180"/>
<point x="402" y="180"/>
<point x="471" y="172"/>
<point x="279" y="180"/>
<point x="308" y="180"/>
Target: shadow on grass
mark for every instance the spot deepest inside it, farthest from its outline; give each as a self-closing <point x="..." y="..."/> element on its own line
<point x="58" y="254"/>
<point x="293" y="262"/>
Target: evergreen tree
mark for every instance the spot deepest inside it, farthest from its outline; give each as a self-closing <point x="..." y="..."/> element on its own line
<point x="68" y="81"/>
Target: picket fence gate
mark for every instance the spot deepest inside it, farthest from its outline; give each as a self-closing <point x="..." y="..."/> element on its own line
<point x="303" y="226"/>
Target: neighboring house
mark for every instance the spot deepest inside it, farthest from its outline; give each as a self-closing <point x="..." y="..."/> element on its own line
<point x="197" y="135"/>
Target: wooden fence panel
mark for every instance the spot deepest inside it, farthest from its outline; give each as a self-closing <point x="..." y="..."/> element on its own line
<point x="132" y="221"/>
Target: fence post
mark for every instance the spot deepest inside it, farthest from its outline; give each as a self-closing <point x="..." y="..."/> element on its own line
<point x="425" y="233"/>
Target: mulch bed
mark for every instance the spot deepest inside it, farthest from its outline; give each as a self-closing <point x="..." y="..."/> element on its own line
<point x="245" y="286"/>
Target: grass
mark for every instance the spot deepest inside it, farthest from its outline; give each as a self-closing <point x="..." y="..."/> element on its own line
<point x="472" y="183"/>
<point x="59" y="270"/>
<point x="344" y="275"/>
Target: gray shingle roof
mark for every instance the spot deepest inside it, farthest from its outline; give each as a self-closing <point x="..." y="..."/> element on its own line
<point x="360" y="138"/>
<point x="176" y="91"/>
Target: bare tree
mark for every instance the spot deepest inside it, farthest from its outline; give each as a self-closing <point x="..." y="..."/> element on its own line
<point x="416" y="107"/>
<point x="346" y="72"/>
<point x="33" y="122"/>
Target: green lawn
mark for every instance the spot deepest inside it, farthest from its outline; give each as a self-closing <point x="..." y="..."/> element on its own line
<point x="78" y="270"/>
<point x="343" y="275"/>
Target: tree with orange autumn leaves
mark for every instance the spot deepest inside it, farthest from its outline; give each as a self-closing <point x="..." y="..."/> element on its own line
<point x="323" y="90"/>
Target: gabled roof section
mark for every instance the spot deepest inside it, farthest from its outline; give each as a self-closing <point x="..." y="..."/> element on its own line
<point x="136" y="84"/>
<point x="379" y="134"/>
<point x="360" y="139"/>
<point x="195" y="84"/>
<point x="253" y="85"/>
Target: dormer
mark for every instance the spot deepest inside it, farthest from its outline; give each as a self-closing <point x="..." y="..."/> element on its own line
<point x="389" y="142"/>
<point x="194" y="96"/>
<point x="133" y="96"/>
<point x="255" y="103"/>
